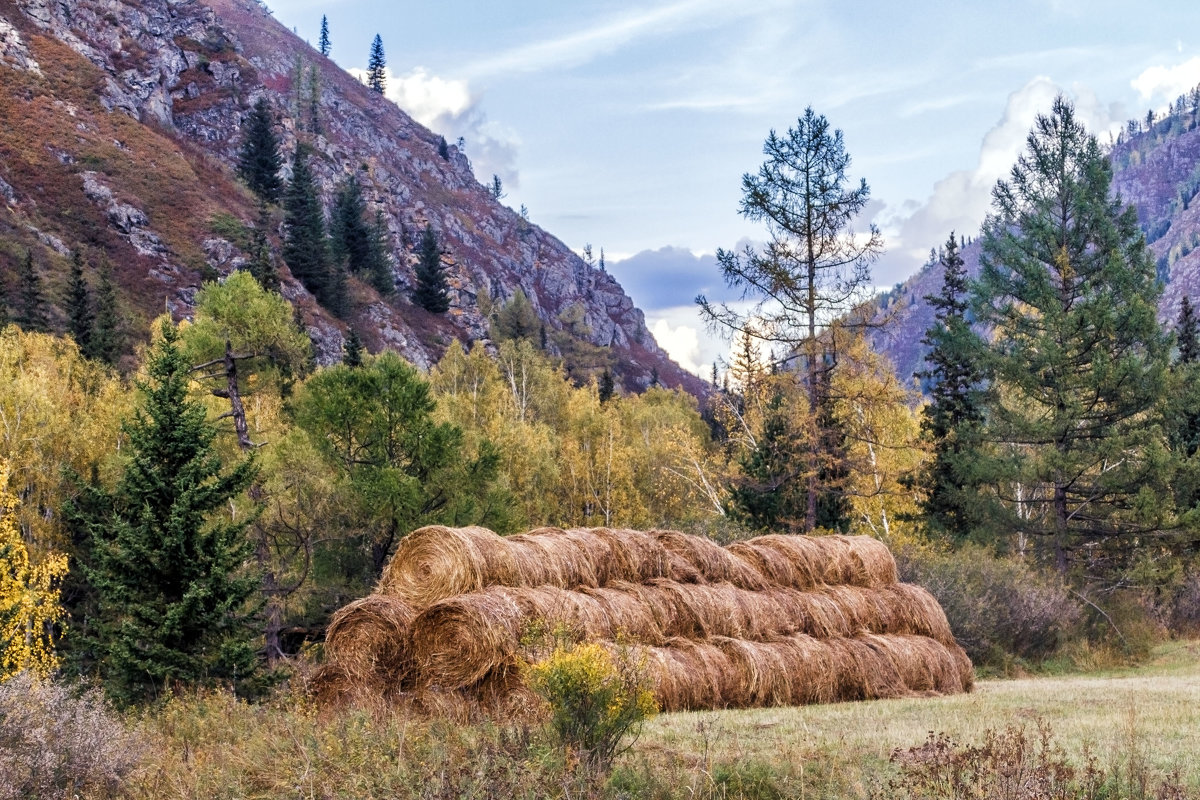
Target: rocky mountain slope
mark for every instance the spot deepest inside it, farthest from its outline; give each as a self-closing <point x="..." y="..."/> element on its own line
<point x="122" y="125"/>
<point x="1156" y="170"/>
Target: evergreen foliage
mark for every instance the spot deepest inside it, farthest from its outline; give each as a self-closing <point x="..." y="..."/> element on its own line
<point x="376" y="66"/>
<point x="496" y="190"/>
<point x="950" y="421"/>
<point x="360" y="245"/>
<point x="443" y="148"/>
<point x="352" y="349"/>
<point x="80" y="316"/>
<point x="167" y="568"/>
<point x="323" y="43"/>
<point x="105" y="342"/>
<point x="1078" y="360"/>
<point x="606" y="388"/>
<point x="262" y="261"/>
<point x="259" y="159"/>
<point x="814" y="267"/>
<point x="1183" y="407"/>
<point x="771" y="493"/>
<point x="430" y="292"/>
<point x="306" y="245"/>
<point x="314" y="101"/>
<point x="1187" y="333"/>
<point x="517" y="319"/>
<point x="32" y="314"/>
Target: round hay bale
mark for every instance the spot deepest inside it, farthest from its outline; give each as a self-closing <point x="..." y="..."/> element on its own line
<point x="368" y="639"/>
<point x="773" y="563"/>
<point x="455" y="642"/>
<point x="634" y="556"/>
<point x="810" y="668"/>
<point x="697" y="672"/>
<point x="714" y="563"/>
<point x="911" y="609"/>
<point x="436" y="562"/>
<point x="548" y="556"/>
<point x="857" y="560"/>
<point x="759" y="675"/>
<point x="624" y="614"/>
<point x="806" y="563"/>
<point x="672" y="613"/>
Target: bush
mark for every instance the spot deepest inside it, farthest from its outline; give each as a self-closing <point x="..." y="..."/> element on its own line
<point x="54" y="743"/>
<point x="998" y="608"/>
<point x="596" y="699"/>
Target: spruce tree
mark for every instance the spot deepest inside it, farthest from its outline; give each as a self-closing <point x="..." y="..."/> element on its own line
<point x="607" y="388"/>
<point x="376" y="67"/>
<point x="80" y="317"/>
<point x="378" y="268"/>
<point x="306" y="245"/>
<point x="1183" y="407"/>
<point x="5" y="316"/>
<point x="1187" y="333"/>
<point x="167" y="567"/>
<point x="950" y="421"/>
<point x="32" y="315"/>
<point x="259" y="159"/>
<point x="350" y="236"/>
<point x="105" y="342"/>
<point x="314" y="101"/>
<point x="444" y="149"/>
<point x="352" y="349"/>
<point x="430" y="292"/>
<point x="1078" y="359"/>
<point x="262" y="263"/>
<point x="323" y="42"/>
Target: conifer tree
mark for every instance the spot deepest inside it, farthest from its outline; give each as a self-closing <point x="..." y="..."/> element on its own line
<point x="376" y="67"/>
<point x="306" y="245"/>
<point x="444" y="149"/>
<point x="32" y="309"/>
<point x="352" y="349"/>
<point x="430" y="292"/>
<point x="379" y="265"/>
<point x="1183" y="407"/>
<point x="350" y="236"/>
<point x="950" y="420"/>
<point x="607" y="387"/>
<point x="5" y="316"/>
<point x="80" y="317"/>
<point x="323" y="42"/>
<point x="314" y="101"/>
<point x="1078" y="359"/>
<point x="105" y="344"/>
<point x="1187" y="333"/>
<point x="259" y="159"/>
<point x="167" y="567"/>
<point x="517" y="319"/>
<point x="262" y="262"/>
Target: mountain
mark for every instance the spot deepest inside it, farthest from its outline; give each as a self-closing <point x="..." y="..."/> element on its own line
<point x="1156" y="169"/>
<point x="122" y="127"/>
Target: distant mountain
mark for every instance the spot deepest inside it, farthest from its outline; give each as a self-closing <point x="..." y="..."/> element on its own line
<point x="122" y="123"/>
<point x="1157" y="170"/>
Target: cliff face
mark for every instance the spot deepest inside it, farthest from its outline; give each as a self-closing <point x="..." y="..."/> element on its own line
<point x="126" y="125"/>
<point x="1157" y="172"/>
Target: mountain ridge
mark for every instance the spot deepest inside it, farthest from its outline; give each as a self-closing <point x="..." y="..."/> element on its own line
<point x="130" y="118"/>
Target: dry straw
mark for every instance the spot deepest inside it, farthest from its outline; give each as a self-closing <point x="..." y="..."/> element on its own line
<point x="768" y="621"/>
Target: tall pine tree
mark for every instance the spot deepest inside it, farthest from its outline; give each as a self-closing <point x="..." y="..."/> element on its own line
<point x="167" y="566"/>
<point x="1078" y="357"/>
<point x="105" y="342"/>
<point x="259" y="159"/>
<point x="80" y="317"/>
<point x="430" y="292"/>
<point x="377" y="67"/>
<point x="323" y="43"/>
<point x="32" y="314"/>
<point x="306" y="245"/>
<point x="950" y="421"/>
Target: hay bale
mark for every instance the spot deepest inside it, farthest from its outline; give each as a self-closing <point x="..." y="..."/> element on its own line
<point x="368" y="638"/>
<point x="714" y="563"/>
<point x="913" y="610"/>
<point x="857" y="560"/>
<point x="436" y="562"/>
<point x="634" y="556"/>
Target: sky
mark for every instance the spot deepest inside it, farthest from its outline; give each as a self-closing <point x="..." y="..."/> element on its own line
<point x="627" y="124"/>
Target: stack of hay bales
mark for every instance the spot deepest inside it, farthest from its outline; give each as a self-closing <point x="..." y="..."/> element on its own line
<point x="775" y="620"/>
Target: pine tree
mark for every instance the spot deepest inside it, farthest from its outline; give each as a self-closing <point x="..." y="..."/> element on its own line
<point x="770" y="492"/>
<point x="443" y="148"/>
<point x="1187" y="333"/>
<point x="430" y="293"/>
<point x="359" y="245"/>
<point x="167" y="567"/>
<point x="496" y="190"/>
<point x="376" y="66"/>
<point x="606" y="388"/>
<point x="1078" y="359"/>
<point x="352" y="349"/>
<point x="80" y="317"/>
<point x="262" y="262"/>
<point x="323" y="42"/>
<point x="314" y="101"/>
<point x="950" y="420"/>
<point x="305" y="245"/>
<point x="259" y="159"/>
<point x="379" y="265"/>
<point x="33" y="315"/>
<point x="106" y="334"/>
<point x="516" y="319"/>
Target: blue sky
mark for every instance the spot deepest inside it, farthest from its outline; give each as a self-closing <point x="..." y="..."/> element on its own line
<point x="628" y="124"/>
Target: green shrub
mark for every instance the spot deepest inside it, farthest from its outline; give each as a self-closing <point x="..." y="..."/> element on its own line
<point x="998" y="608"/>
<point x="596" y="699"/>
<point x="54" y="743"/>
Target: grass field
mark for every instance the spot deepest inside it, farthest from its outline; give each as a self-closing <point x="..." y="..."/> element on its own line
<point x="1144" y="717"/>
<point x="1140" y="722"/>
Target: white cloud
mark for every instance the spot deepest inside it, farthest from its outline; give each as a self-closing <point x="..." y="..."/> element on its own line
<point x="962" y="199"/>
<point x="1164" y="84"/>
<point x="449" y="107"/>
<point x="681" y="342"/>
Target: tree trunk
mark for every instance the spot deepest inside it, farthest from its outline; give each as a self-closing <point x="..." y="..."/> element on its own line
<point x="237" y="410"/>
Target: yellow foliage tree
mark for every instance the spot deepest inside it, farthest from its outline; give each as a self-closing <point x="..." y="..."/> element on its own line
<point x="29" y="595"/>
